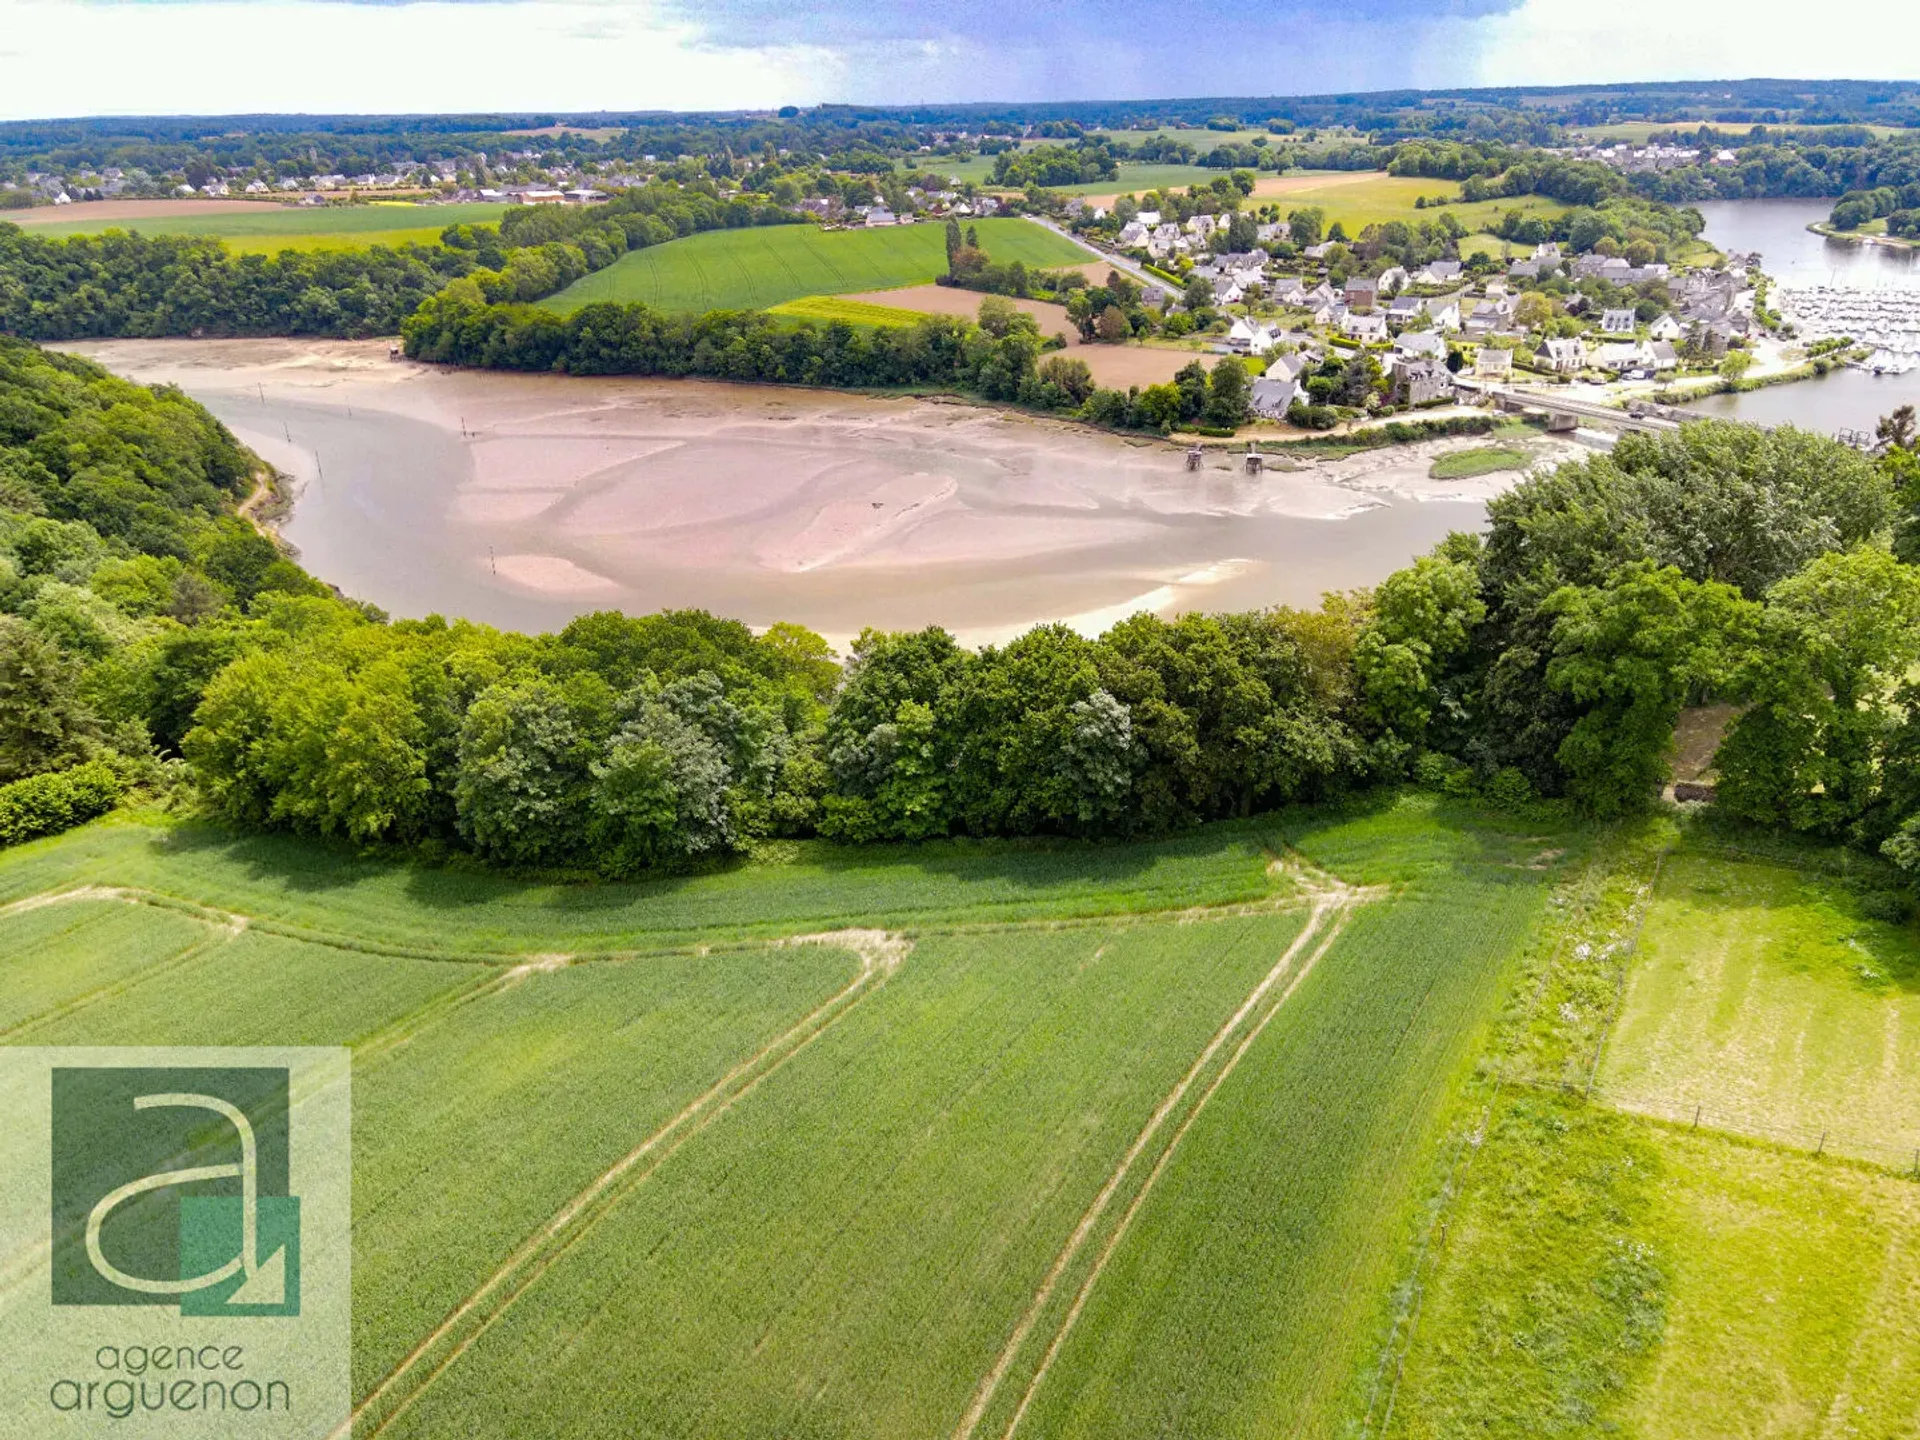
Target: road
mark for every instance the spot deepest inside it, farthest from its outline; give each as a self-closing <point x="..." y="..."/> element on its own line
<point x="1125" y="266"/>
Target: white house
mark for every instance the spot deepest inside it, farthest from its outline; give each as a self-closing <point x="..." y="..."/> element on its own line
<point x="1493" y="363"/>
<point x="1291" y="366"/>
<point x="1445" y="314"/>
<point x="1251" y="337"/>
<point x="1563" y="357"/>
<point x="1617" y="322"/>
<point x="1417" y="344"/>
<point x="1665" y="328"/>
<point x="1367" y="329"/>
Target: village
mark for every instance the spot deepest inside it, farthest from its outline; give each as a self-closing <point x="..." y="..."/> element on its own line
<point x="1447" y="330"/>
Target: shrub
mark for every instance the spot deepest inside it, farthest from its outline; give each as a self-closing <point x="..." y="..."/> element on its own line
<point x="1891" y="906"/>
<point x="47" y="804"/>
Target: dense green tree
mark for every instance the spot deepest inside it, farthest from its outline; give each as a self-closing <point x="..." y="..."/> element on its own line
<point x="1630" y="652"/>
<point x="1837" y="640"/>
<point x="43" y="722"/>
<point x="524" y="781"/>
<point x="1420" y="622"/>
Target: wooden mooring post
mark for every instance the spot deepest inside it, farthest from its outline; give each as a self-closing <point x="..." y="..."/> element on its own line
<point x="1195" y="457"/>
<point x="1254" y="462"/>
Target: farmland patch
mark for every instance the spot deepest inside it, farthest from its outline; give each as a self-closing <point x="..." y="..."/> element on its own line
<point x="765" y="266"/>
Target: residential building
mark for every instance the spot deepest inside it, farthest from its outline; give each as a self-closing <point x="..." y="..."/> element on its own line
<point x="1493" y="364"/>
<point x="1367" y="329"/>
<point x="1271" y="398"/>
<point x="1617" y="322"/>
<point x="1562" y="357"/>
<point x="1363" y="292"/>
<point x="1292" y="365"/>
<point x="1420" y="344"/>
<point x="1421" y="382"/>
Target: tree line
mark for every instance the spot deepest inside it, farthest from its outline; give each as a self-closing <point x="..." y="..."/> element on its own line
<point x="145" y="629"/>
<point x="129" y="284"/>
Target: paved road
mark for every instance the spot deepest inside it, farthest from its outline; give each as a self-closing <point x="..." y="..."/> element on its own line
<point x="1125" y="266"/>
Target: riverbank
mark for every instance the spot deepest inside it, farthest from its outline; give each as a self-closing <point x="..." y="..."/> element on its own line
<point x="525" y="499"/>
<point x="1855" y="237"/>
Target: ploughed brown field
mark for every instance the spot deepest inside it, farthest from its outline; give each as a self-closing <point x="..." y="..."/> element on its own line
<point x="1114" y="366"/>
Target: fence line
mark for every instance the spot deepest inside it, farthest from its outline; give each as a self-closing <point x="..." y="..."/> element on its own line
<point x="1897" y="1153"/>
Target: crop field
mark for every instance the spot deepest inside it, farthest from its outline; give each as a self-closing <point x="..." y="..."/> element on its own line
<point x="768" y="265"/>
<point x="829" y="309"/>
<point x="266" y="228"/>
<point x="1063" y="1139"/>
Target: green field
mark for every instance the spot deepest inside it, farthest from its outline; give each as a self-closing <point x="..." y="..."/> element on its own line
<point x="1482" y="460"/>
<point x="287" y="227"/>
<point x="828" y="309"/>
<point x="1136" y="177"/>
<point x="766" y="266"/>
<point x="1767" y="998"/>
<point x="1719" y="1273"/>
<point x="1127" y="1139"/>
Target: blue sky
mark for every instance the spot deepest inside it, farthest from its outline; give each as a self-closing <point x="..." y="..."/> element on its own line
<point x="71" y="57"/>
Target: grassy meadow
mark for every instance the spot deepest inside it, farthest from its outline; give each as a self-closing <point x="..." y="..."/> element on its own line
<point x="1604" y="1260"/>
<point x="287" y="227"/>
<point x="767" y="266"/>
<point x="1064" y="1138"/>
<point x="1768" y="999"/>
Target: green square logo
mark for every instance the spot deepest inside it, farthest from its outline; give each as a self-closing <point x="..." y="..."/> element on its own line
<point x="170" y="1188"/>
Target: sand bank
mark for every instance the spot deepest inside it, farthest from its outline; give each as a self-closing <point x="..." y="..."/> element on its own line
<point x="524" y="499"/>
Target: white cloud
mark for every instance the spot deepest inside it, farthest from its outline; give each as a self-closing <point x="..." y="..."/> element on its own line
<point x="1578" y="42"/>
<point x="65" y="58"/>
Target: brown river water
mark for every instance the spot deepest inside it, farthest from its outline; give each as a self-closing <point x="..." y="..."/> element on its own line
<point x="524" y="500"/>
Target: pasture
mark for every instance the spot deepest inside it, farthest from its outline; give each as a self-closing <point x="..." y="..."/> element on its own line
<point x="1768" y="999"/>
<point x="769" y="265"/>
<point x="1658" y="1270"/>
<point x="1061" y="1139"/>
<point x="268" y="228"/>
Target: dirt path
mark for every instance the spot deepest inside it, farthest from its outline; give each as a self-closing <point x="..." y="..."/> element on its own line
<point x="1330" y="902"/>
<point x="880" y="954"/>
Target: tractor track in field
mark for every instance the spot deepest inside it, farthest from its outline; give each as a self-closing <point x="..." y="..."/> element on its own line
<point x="880" y="953"/>
<point x="1330" y="903"/>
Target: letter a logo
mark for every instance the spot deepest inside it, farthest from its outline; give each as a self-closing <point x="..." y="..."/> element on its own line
<point x="170" y="1187"/>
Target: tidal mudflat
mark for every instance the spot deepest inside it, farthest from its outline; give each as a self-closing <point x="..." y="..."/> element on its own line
<point x="525" y="499"/>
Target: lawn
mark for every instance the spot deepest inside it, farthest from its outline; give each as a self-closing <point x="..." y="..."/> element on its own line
<point x="766" y="266"/>
<point x="822" y="1187"/>
<point x="276" y="227"/>
<point x="1482" y="460"/>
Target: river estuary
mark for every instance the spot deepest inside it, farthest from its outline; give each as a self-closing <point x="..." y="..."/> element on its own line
<point x="523" y="500"/>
